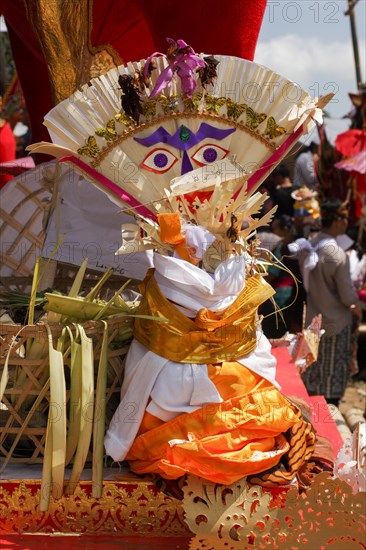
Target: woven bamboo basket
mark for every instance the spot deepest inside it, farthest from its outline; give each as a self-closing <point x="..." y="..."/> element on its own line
<point x="24" y="203"/>
<point x="23" y="415"/>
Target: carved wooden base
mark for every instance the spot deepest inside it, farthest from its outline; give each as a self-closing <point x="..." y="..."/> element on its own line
<point x="127" y="508"/>
<point x="134" y="512"/>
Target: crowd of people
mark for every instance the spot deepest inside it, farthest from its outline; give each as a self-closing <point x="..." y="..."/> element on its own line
<point x="318" y="267"/>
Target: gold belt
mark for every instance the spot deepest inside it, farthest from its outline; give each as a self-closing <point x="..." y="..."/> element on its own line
<point x="210" y="337"/>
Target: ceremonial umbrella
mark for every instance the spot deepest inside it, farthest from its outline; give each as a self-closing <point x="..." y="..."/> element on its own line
<point x="356" y="163"/>
<point x="351" y="142"/>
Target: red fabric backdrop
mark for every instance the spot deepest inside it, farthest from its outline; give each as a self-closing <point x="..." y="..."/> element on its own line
<point x="30" y="64"/>
<point x="135" y="29"/>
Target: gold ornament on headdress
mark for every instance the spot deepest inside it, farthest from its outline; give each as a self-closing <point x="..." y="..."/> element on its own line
<point x="235" y="110"/>
<point x="255" y="119"/>
<point x="90" y="149"/>
<point x="273" y="130"/>
<point x="108" y="132"/>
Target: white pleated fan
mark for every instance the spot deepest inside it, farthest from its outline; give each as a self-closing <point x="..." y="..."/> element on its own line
<point x="262" y="113"/>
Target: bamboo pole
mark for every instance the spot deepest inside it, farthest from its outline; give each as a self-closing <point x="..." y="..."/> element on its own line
<point x="350" y="12"/>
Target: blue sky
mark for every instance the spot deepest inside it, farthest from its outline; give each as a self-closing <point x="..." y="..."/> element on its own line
<point x="310" y="43"/>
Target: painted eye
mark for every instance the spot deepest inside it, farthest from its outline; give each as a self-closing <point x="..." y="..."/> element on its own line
<point x="159" y="161"/>
<point x="209" y="153"/>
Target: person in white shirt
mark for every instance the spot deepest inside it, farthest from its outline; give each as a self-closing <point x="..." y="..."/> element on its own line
<point x="305" y="167"/>
<point x="330" y="291"/>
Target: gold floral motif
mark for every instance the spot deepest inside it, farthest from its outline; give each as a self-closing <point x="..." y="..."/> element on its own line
<point x="215" y="512"/>
<point x="108" y="132"/>
<point x="327" y="515"/>
<point x="122" y="118"/>
<point x="169" y="104"/>
<point x="133" y="507"/>
<point x="235" y="110"/>
<point x="191" y="103"/>
<point x="213" y="104"/>
<point x="90" y="149"/>
<point x="153" y="122"/>
<point x="254" y="119"/>
<point x="149" y="109"/>
<point x="19" y="511"/>
<point x="170" y="108"/>
<point x="273" y="130"/>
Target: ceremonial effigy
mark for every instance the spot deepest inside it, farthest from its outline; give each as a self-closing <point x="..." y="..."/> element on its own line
<point x="216" y="452"/>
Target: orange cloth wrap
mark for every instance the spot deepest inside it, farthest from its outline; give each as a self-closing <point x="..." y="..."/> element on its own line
<point x="170" y="232"/>
<point x="255" y="431"/>
<point x="210" y="337"/>
<point x="242" y="436"/>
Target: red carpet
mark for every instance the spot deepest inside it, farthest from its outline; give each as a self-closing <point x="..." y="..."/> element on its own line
<point x="292" y="384"/>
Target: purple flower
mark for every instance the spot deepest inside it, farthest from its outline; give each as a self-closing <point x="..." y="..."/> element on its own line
<point x="182" y="60"/>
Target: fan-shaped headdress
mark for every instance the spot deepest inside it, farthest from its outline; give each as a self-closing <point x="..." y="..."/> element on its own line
<point x="183" y="134"/>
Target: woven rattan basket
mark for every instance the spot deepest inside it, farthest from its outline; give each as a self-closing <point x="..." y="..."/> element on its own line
<point x="23" y="415"/>
<point x="24" y="203"/>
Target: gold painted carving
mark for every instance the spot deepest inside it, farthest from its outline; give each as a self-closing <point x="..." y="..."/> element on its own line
<point x="63" y="29"/>
<point x="328" y="515"/>
<point x="133" y="508"/>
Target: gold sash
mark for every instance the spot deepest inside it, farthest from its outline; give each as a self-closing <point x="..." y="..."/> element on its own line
<point x="210" y="337"/>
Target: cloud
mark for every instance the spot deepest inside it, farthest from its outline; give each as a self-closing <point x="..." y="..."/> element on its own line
<point x="305" y="60"/>
<point x="318" y="66"/>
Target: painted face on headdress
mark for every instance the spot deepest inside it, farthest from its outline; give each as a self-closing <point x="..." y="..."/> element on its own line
<point x="194" y="148"/>
<point x="173" y="147"/>
<point x="180" y="112"/>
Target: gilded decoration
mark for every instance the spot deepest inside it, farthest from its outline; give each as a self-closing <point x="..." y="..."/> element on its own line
<point x="204" y="106"/>
<point x="91" y="149"/>
<point x="126" y="508"/>
<point x="63" y="29"/>
<point x="239" y="516"/>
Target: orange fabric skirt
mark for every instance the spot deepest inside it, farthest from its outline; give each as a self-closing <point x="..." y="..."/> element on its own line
<point x="255" y="429"/>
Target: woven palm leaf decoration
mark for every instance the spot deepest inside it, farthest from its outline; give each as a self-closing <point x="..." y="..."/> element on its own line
<point x="139" y="131"/>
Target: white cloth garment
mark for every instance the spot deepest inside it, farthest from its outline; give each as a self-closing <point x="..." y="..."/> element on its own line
<point x="191" y="288"/>
<point x="174" y="389"/>
<point x="165" y="388"/>
<point x="197" y="237"/>
<point x="304" y="250"/>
